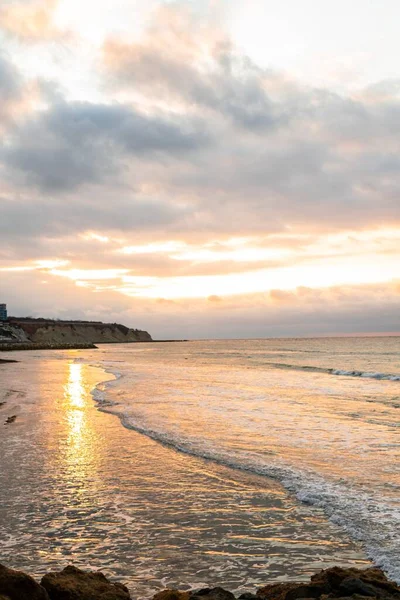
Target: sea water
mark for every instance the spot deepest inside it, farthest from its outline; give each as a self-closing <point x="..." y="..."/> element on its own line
<point x="230" y="461"/>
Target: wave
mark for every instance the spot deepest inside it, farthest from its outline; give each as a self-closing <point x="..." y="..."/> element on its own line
<point x="371" y="520"/>
<point x="341" y="372"/>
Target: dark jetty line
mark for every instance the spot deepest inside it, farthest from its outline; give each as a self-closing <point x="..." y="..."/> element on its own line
<point x="15" y="346"/>
<point x="73" y="584"/>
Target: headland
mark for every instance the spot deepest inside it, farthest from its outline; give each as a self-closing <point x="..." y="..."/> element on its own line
<point x="28" y="333"/>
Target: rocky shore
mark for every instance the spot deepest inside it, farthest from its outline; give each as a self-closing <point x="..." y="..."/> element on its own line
<point x="73" y="584"/>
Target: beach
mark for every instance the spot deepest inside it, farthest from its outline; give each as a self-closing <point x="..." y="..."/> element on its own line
<point x="79" y="488"/>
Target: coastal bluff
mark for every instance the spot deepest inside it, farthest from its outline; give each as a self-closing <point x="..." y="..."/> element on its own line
<point x="25" y="333"/>
<point x="74" y="584"/>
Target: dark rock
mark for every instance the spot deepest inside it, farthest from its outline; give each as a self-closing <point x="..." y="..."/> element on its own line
<point x="10" y="420"/>
<point x="332" y="578"/>
<point x="370" y="582"/>
<point x="216" y="593"/>
<point x="276" y="591"/>
<point x="73" y="584"/>
<point x="353" y="585"/>
<point x="15" y="585"/>
<point x="305" y="591"/>
<point x="247" y="596"/>
<point x="171" y="595"/>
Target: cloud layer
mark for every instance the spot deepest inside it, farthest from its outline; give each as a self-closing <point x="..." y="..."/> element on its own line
<point x="188" y="167"/>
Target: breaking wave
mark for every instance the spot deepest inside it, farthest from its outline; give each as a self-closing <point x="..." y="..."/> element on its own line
<point x="341" y="372"/>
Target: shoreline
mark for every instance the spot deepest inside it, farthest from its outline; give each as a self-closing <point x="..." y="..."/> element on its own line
<point x="73" y="583"/>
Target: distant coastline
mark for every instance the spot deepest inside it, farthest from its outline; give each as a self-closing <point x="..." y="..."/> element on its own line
<point x="27" y="333"/>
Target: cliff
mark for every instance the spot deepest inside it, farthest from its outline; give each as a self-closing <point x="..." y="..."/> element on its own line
<point x="45" y="332"/>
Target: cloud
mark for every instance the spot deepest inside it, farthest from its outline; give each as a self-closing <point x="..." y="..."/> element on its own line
<point x="15" y="93"/>
<point x="71" y="144"/>
<point x="31" y="21"/>
<point x="186" y="140"/>
<point x="326" y="162"/>
<point x="24" y="223"/>
<point x="196" y="65"/>
<point x="371" y="308"/>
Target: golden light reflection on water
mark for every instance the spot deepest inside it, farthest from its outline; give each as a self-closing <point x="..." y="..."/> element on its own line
<point x="75" y="402"/>
<point x="80" y="453"/>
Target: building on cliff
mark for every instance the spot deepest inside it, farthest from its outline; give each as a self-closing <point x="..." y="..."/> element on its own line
<point x="3" y="312"/>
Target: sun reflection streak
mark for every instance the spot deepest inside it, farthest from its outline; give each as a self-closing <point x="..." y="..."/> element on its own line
<point x="74" y="395"/>
<point x="79" y="456"/>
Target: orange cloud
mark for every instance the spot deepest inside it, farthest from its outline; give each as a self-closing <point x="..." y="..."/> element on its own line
<point x="31" y="22"/>
<point x="214" y="298"/>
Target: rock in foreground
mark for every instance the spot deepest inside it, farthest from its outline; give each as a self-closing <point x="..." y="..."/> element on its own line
<point x="330" y="584"/>
<point x="16" y="585"/>
<point x="336" y="583"/>
<point x="74" y="584"/>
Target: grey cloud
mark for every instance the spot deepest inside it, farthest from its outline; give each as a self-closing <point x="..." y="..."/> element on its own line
<point x="318" y="157"/>
<point x="77" y="143"/>
<point x="233" y="86"/>
<point x="10" y="84"/>
<point x="27" y="226"/>
<point x="11" y="88"/>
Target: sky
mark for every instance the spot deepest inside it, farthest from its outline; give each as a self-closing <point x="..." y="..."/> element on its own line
<point x="202" y="168"/>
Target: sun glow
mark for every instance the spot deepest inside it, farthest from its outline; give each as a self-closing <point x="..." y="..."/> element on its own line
<point x="90" y="274"/>
<point x="264" y="280"/>
<point x="284" y="262"/>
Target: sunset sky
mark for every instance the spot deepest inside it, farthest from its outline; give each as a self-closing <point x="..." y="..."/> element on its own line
<point x="219" y="168"/>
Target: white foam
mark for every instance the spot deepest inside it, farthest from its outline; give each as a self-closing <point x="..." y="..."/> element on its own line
<point x="366" y="374"/>
<point x="340" y="372"/>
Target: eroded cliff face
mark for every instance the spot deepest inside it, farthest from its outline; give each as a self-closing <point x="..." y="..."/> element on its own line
<point x="12" y="334"/>
<point x="39" y="331"/>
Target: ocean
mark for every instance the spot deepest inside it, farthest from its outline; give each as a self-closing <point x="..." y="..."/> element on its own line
<point x="231" y="463"/>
